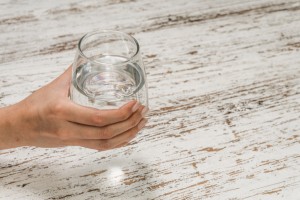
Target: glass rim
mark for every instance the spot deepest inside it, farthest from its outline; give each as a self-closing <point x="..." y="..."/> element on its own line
<point x="128" y="60"/>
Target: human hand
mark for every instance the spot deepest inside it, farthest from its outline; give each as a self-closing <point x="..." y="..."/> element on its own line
<point x="48" y="118"/>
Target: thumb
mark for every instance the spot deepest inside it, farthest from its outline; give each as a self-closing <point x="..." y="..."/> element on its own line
<point x="64" y="80"/>
<point x="66" y="76"/>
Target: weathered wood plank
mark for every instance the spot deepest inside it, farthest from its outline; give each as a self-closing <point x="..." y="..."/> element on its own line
<point x="224" y="86"/>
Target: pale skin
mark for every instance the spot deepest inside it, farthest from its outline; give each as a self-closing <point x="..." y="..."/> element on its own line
<point x="48" y="118"/>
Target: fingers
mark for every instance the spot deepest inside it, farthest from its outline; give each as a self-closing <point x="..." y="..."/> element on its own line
<point x="80" y="131"/>
<point x="118" y="128"/>
<point x="70" y="111"/>
<point x="94" y="117"/>
<point x="93" y="128"/>
<point x="115" y="142"/>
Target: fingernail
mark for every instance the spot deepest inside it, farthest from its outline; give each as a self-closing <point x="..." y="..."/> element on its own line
<point x="142" y="124"/>
<point x="144" y="111"/>
<point x="135" y="107"/>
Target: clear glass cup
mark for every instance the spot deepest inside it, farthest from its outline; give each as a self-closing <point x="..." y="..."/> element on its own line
<point x="108" y="71"/>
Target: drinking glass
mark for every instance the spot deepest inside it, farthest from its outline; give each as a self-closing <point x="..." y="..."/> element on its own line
<point x="108" y="71"/>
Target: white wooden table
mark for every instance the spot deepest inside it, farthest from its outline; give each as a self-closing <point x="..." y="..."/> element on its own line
<point x="224" y="87"/>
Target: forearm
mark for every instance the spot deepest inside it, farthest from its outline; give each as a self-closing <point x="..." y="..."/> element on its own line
<point x="9" y="127"/>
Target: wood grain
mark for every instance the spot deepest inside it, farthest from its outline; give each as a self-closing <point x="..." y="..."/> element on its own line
<point x="224" y="87"/>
